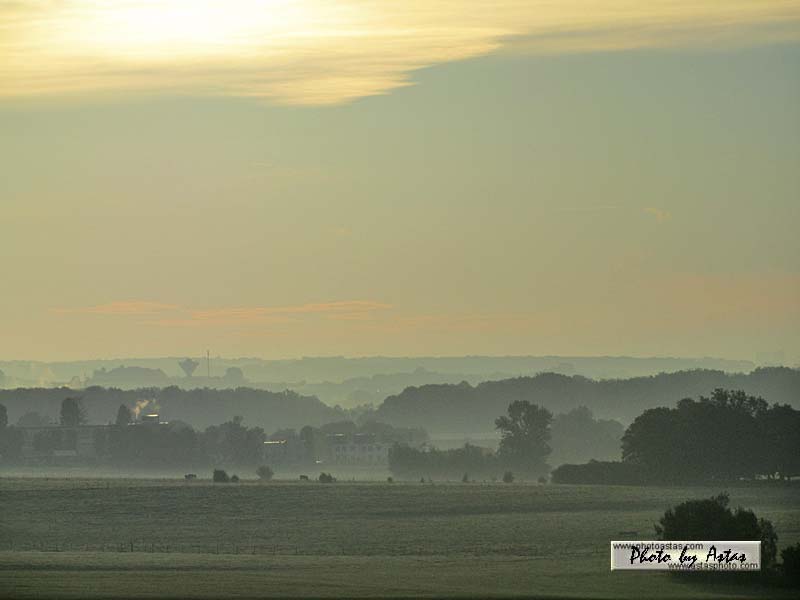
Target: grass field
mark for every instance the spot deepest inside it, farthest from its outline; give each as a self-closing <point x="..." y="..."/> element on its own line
<point x="164" y="538"/>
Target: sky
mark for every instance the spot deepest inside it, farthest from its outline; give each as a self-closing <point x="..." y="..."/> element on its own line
<point x="306" y="178"/>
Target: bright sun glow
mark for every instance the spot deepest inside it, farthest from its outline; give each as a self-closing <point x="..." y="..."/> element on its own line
<point x="175" y="28"/>
<point x="332" y="51"/>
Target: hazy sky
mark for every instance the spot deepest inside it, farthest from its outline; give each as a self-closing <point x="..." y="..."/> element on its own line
<point x="308" y="177"/>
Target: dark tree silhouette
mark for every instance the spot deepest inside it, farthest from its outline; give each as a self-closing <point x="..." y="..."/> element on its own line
<point x="780" y="435"/>
<point x="410" y="463"/>
<point x="124" y="416"/>
<point x="712" y="519"/>
<point x="234" y="375"/>
<point x="72" y="413"/>
<point x="10" y="437"/>
<point x="790" y="557"/>
<point x="526" y="433"/>
<point x="600" y="473"/>
<point x="265" y="473"/>
<point x="234" y="444"/>
<point x="722" y="438"/>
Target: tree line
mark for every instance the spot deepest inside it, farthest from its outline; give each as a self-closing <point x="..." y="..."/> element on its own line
<point x="728" y="436"/>
<point x="524" y="448"/>
<point x="200" y="407"/>
<point x="125" y="443"/>
<point x="151" y="443"/>
<point x="531" y="438"/>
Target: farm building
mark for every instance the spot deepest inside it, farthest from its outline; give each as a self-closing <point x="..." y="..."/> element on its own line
<point x="358" y="449"/>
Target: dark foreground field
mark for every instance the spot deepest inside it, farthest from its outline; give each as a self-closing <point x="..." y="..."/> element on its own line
<point x="86" y="538"/>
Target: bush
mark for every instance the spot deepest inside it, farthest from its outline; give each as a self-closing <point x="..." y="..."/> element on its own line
<point x="390" y="479"/>
<point x="712" y="520"/>
<point x="326" y="478"/>
<point x="407" y="463"/>
<point x="791" y="565"/>
<point x="508" y="477"/>
<point x="235" y="479"/>
<point x="220" y="476"/>
<point x="265" y="473"/>
<point x="465" y="478"/>
<point x="600" y="472"/>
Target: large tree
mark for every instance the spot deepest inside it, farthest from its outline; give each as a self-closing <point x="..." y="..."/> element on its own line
<point x="526" y="436"/>
<point x="72" y="413"/>
<point x="780" y="432"/>
<point x="725" y="437"/>
<point x="234" y="444"/>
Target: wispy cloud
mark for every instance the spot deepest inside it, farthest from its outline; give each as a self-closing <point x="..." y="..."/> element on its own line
<point x="260" y="313"/>
<point x="126" y="307"/>
<point x="589" y="208"/>
<point x="316" y="52"/>
<point x="171" y="315"/>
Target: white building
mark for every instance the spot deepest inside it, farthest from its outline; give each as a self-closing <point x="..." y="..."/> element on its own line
<point x="359" y="450"/>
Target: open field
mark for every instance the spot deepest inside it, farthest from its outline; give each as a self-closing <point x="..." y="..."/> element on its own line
<point x="146" y="538"/>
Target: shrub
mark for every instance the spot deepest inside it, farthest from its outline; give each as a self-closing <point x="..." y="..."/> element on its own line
<point x="235" y="479"/>
<point x="508" y="477"/>
<point x="390" y="479"/>
<point x="465" y="478"/>
<point x="600" y="472"/>
<point x="712" y="519"/>
<point x="220" y="476"/>
<point x="791" y="565"/>
<point x="326" y="478"/>
<point x="406" y="462"/>
<point x="265" y="473"/>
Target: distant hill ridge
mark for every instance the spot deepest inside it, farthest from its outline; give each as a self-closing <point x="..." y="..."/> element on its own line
<point x="443" y="408"/>
<point x="463" y="407"/>
<point x="22" y="373"/>
<point x="198" y="407"/>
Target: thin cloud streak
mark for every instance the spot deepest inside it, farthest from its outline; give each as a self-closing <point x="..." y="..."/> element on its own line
<point x="123" y="308"/>
<point x="320" y="52"/>
<point x="185" y="317"/>
<point x="262" y="312"/>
